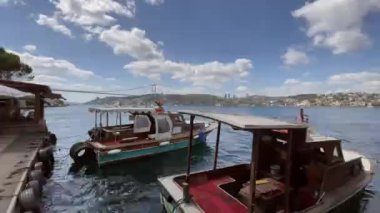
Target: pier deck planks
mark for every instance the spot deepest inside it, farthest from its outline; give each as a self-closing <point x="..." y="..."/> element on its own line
<point x="17" y="154"/>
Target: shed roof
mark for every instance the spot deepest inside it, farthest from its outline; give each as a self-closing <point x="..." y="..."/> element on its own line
<point x="246" y="122"/>
<point x="10" y="92"/>
<point x="31" y="88"/>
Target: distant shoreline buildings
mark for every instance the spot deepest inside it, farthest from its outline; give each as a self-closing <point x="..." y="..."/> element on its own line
<point x="352" y="99"/>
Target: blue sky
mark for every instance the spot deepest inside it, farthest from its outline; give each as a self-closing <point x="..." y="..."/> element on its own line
<point x="241" y="47"/>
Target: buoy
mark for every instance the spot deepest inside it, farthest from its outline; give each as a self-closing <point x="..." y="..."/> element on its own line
<point x="37" y="174"/>
<point x="45" y="153"/>
<point x="36" y="186"/>
<point x="28" y="200"/>
<point x="81" y="153"/>
<point x="38" y="165"/>
<point x="45" y="141"/>
<point x="46" y="167"/>
<point x="52" y="139"/>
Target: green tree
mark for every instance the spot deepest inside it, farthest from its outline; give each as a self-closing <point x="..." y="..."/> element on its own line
<point x="11" y="66"/>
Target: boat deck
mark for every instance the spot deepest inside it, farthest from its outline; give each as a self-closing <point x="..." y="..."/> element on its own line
<point x="211" y="198"/>
<point x="18" y="150"/>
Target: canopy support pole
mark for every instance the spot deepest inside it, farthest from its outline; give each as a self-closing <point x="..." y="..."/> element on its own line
<point x="289" y="161"/>
<point x="96" y="119"/>
<point x="217" y="146"/>
<point x="189" y="148"/>
<point x="120" y="119"/>
<point x="254" y="165"/>
<point x="100" y="120"/>
<point x="107" y="118"/>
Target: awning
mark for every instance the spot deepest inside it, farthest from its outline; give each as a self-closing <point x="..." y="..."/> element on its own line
<point x="13" y="93"/>
<point x="246" y="122"/>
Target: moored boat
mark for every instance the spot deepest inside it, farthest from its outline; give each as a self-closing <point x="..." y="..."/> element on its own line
<point x="290" y="171"/>
<point x="153" y="131"/>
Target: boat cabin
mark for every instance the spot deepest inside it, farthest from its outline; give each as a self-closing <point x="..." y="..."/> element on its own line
<point x="289" y="171"/>
<point x="142" y="123"/>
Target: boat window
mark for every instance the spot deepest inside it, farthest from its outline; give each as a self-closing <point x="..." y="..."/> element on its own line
<point x="322" y="150"/>
<point x="163" y="125"/>
<point x="141" y="124"/>
<point x="178" y="118"/>
<point x="335" y="153"/>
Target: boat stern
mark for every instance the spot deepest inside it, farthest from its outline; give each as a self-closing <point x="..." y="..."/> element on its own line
<point x="171" y="196"/>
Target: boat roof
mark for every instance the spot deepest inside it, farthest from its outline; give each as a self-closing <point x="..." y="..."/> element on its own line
<point x="132" y="110"/>
<point x="246" y="122"/>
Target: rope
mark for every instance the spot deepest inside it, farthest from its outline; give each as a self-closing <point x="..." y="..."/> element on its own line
<point x="177" y="204"/>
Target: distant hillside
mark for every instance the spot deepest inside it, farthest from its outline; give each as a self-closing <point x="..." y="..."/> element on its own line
<point x="168" y="99"/>
<point x="335" y="99"/>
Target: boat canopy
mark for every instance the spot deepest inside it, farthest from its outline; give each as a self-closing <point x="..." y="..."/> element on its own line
<point x="246" y="122"/>
<point x="131" y="110"/>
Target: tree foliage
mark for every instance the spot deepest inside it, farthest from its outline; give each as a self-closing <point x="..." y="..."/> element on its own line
<point x="11" y="66"/>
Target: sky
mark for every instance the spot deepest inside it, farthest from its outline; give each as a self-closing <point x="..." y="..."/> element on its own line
<point x="241" y="47"/>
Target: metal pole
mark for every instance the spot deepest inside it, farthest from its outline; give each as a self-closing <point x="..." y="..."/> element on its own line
<point x="96" y="119"/>
<point x="101" y="122"/>
<point x="217" y="146"/>
<point x="107" y="118"/>
<point x="189" y="148"/>
<point x="120" y="118"/>
<point x="290" y="145"/>
<point x="254" y="165"/>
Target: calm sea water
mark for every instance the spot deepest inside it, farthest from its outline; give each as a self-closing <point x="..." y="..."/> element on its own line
<point x="132" y="187"/>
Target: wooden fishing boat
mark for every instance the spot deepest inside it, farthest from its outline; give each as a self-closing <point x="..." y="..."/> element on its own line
<point x="152" y="131"/>
<point x="290" y="171"/>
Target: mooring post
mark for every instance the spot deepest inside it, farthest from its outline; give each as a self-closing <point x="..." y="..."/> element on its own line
<point x="189" y="148"/>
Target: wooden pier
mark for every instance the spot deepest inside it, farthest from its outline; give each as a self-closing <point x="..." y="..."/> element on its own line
<point x="18" y="153"/>
<point x="21" y="139"/>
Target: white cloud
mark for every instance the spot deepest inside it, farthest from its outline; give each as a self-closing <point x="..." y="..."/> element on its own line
<point x="10" y="2"/>
<point x="291" y="81"/>
<point x="355" y="82"/>
<point x="211" y="74"/>
<point x="91" y="32"/>
<point x="241" y="88"/>
<point x="93" y="12"/>
<point x="358" y="77"/>
<point x="51" y="66"/>
<point x="294" y="57"/>
<point x="4" y="2"/>
<point x="30" y="48"/>
<point x="47" y="79"/>
<point x="133" y="42"/>
<point x="337" y="24"/>
<point x="154" y="2"/>
<point x="150" y="60"/>
<point x="53" y="24"/>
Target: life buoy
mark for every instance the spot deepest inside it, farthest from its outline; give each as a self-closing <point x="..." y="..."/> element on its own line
<point x="81" y="153"/>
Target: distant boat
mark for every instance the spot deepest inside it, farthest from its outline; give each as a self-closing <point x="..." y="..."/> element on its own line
<point x="153" y="131"/>
<point x="289" y="172"/>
